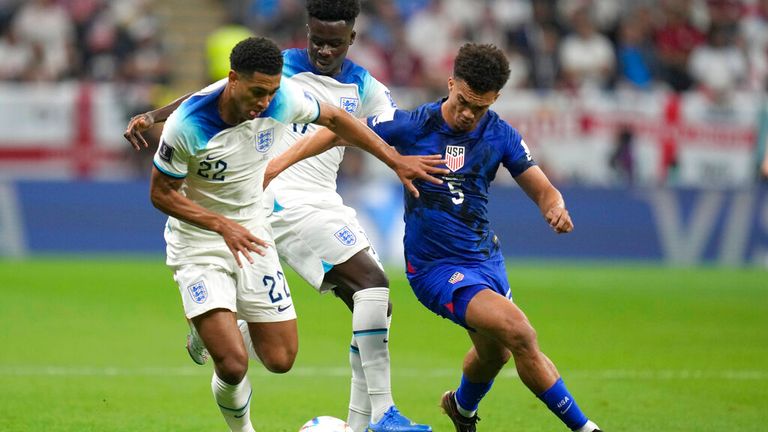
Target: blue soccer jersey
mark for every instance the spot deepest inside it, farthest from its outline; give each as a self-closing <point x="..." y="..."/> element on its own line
<point x="449" y="222"/>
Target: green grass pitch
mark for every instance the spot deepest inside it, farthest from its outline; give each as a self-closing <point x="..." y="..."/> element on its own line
<point x="97" y="345"/>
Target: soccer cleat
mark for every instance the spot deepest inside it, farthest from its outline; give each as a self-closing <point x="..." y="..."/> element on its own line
<point x="461" y="423"/>
<point x="393" y="421"/>
<point x="195" y="347"/>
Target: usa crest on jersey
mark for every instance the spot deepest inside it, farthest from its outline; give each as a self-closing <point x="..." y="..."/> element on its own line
<point x="349" y="104"/>
<point x="264" y="140"/>
<point x="346" y="236"/>
<point x="198" y="292"/>
<point x="454" y="157"/>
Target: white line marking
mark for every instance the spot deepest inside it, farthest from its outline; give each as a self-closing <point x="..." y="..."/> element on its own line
<point x="333" y="372"/>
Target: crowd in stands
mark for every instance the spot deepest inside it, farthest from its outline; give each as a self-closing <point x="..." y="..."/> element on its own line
<point x="715" y="45"/>
<point x="99" y="40"/>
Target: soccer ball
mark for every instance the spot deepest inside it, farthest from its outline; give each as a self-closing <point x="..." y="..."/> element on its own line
<point x="325" y="424"/>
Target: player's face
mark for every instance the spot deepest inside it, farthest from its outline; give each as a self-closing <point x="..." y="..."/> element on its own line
<point x="464" y="107"/>
<point x="328" y="42"/>
<point x="251" y="94"/>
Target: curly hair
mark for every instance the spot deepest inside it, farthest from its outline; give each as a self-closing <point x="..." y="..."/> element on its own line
<point x="333" y="10"/>
<point x="256" y="54"/>
<point x="484" y="67"/>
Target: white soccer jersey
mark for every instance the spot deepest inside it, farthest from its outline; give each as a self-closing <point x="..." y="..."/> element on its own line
<point x="223" y="166"/>
<point x="354" y="90"/>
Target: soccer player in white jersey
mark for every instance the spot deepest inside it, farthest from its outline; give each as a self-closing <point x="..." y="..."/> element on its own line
<point x="315" y="233"/>
<point x="207" y="176"/>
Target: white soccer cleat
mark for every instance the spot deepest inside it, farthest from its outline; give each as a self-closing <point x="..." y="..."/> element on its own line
<point x="195" y="347"/>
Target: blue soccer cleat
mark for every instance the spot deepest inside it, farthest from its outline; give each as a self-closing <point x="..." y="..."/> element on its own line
<point x="393" y="421"/>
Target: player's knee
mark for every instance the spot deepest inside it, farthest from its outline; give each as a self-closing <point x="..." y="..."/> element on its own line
<point x="232" y="369"/>
<point x="521" y="337"/>
<point x="372" y="279"/>
<point x="280" y="361"/>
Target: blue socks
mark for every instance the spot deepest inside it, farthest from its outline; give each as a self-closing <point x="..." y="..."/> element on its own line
<point x="559" y="400"/>
<point x="469" y="394"/>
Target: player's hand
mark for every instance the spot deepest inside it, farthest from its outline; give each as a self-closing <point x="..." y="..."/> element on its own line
<point x="410" y="168"/>
<point x="559" y="219"/>
<point x="240" y="241"/>
<point x="764" y="167"/>
<point x="138" y="124"/>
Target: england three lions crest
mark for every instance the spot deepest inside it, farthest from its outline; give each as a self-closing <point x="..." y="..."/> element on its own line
<point x="198" y="292"/>
<point x="454" y="157"/>
<point x="264" y="140"/>
<point x="349" y="104"/>
<point x="346" y="236"/>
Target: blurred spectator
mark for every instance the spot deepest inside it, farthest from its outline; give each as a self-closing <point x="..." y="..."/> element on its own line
<point x="622" y="158"/>
<point x="586" y="56"/>
<point x="545" y="59"/>
<point x="718" y="66"/>
<point x="46" y="25"/>
<point x="433" y="36"/>
<point x="754" y="31"/>
<point x="408" y="8"/>
<point x="17" y="57"/>
<point x="404" y="66"/>
<point x="675" y="41"/>
<point x="538" y="40"/>
<point x="370" y="55"/>
<point x="635" y="51"/>
<point x="7" y="9"/>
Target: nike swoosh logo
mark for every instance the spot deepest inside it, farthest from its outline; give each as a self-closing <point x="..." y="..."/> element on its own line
<point x="283" y="308"/>
<point x="386" y="340"/>
<point x="240" y="416"/>
<point x="566" y="409"/>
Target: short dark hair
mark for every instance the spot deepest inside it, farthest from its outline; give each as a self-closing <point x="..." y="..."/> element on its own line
<point x="484" y="67"/>
<point x="256" y="54"/>
<point x="334" y="10"/>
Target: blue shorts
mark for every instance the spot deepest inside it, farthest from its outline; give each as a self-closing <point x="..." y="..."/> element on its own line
<point x="446" y="289"/>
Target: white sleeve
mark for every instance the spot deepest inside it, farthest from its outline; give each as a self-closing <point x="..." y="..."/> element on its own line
<point x="376" y="98"/>
<point x="172" y="155"/>
<point x="300" y="105"/>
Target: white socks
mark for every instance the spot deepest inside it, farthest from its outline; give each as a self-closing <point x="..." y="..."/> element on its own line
<point x="234" y="402"/>
<point x="588" y="427"/>
<point x="243" y="326"/>
<point x="359" y="401"/>
<point x="371" y="332"/>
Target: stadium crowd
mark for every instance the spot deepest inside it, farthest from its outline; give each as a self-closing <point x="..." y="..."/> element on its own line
<point x="101" y="40"/>
<point x="715" y="45"/>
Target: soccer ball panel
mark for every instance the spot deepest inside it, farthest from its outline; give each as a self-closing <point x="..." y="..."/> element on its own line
<point x="325" y="424"/>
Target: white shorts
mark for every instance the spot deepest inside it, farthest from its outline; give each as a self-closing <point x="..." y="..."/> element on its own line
<point x="257" y="293"/>
<point x="312" y="239"/>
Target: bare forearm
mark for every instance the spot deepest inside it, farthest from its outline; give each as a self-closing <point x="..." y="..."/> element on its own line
<point x="549" y="199"/>
<point x="175" y="204"/>
<point x="161" y="114"/>
<point x="306" y="147"/>
<point x="359" y="135"/>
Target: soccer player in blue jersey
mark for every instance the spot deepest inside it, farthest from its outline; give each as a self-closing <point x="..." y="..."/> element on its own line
<point x="453" y="258"/>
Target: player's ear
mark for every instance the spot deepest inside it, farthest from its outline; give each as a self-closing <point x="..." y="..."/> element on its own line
<point x="451" y="83"/>
<point x="352" y="37"/>
<point x="232" y="76"/>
